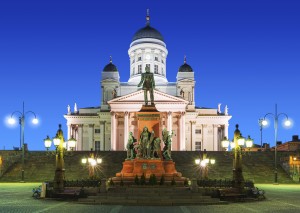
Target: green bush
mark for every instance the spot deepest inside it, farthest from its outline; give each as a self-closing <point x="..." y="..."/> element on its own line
<point x="111" y="182"/>
<point x="173" y="183"/>
<point x="136" y="180"/>
<point x="143" y="179"/>
<point x="152" y="180"/>
<point x="122" y="183"/>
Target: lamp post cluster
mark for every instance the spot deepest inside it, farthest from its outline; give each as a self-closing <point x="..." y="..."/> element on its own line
<point x="287" y="123"/>
<point x="12" y="121"/>
<point x="92" y="161"/>
<point x="238" y="145"/>
<point x="60" y="148"/>
<point x="203" y="163"/>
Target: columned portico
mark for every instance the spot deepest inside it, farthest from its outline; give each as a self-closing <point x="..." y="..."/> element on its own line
<point x="182" y="132"/>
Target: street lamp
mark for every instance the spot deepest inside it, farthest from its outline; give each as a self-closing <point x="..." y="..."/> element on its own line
<point x="260" y="122"/>
<point x="237" y="146"/>
<point x="92" y="161"/>
<point x="286" y="123"/>
<point x="60" y="149"/>
<point x="204" y="163"/>
<point x="12" y="121"/>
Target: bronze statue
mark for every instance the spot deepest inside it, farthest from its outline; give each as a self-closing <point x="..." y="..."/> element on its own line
<point x="130" y="146"/>
<point x="144" y="142"/>
<point x="148" y="85"/>
<point x="167" y="138"/>
<point x="156" y="151"/>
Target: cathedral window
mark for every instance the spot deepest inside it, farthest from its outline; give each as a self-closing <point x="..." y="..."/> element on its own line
<point x="139" y="69"/>
<point x="162" y="61"/>
<point x="156" y="58"/>
<point x="198" y="131"/>
<point x="156" y="69"/>
<point x="97" y="145"/>
<point x="97" y="131"/>
<point x="198" y="146"/>
<point x="133" y="70"/>
<point x="139" y="58"/>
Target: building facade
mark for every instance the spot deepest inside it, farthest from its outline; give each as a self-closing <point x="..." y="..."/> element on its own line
<point x="107" y="127"/>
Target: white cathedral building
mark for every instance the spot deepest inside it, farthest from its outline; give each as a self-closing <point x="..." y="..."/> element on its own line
<point x="107" y="127"/>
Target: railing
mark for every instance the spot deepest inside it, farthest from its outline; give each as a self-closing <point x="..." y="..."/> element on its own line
<point x="221" y="183"/>
<point x="78" y="183"/>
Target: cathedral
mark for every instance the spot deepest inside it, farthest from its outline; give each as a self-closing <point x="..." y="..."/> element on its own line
<point x="107" y="127"/>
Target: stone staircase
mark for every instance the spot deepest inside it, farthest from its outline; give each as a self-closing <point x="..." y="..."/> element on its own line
<point x="150" y="195"/>
<point x="40" y="166"/>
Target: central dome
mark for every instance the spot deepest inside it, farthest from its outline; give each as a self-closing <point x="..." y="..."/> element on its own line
<point x="147" y="32"/>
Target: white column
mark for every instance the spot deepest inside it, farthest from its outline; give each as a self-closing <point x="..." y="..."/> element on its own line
<point x="91" y="136"/>
<point x="182" y="132"/>
<point x="170" y="122"/>
<point x="113" y="132"/>
<point x="226" y="130"/>
<point x="79" y="139"/>
<point x="126" y="129"/>
<point x="193" y="128"/>
<point x="215" y="137"/>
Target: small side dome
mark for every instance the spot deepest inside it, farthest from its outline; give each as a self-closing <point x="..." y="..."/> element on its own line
<point x="110" y="67"/>
<point x="185" y="67"/>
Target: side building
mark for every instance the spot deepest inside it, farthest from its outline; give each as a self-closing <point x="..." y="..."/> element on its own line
<point x="107" y="127"/>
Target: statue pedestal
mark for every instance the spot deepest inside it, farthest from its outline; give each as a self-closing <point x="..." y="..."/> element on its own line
<point x="158" y="167"/>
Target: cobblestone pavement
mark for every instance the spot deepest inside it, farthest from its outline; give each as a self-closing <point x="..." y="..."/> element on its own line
<point x="16" y="197"/>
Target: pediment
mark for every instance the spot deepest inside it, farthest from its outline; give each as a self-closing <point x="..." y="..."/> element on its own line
<point x="135" y="100"/>
<point x="138" y="96"/>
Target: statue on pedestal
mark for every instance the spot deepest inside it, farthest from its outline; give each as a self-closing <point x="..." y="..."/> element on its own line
<point x="148" y="85"/>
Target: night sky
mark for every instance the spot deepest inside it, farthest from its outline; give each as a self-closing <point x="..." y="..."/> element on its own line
<point x="245" y="54"/>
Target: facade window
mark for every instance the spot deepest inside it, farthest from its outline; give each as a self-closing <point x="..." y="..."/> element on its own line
<point x="133" y="61"/>
<point x="156" y="58"/>
<point x="162" y="71"/>
<point x="198" y="131"/>
<point x="133" y="70"/>
<point x="156" y="69"/>
<point x="97" y="145"/>
<point x="198" y="146"/>
<point x="162" y="61"/>
<point x="97" y="131"/>
<point x="148" y="65"/>
<point x="139" y="69"/>
<point x="139" y="58"/>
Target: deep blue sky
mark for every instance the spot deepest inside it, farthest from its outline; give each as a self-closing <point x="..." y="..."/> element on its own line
<point x="245" y="54"/>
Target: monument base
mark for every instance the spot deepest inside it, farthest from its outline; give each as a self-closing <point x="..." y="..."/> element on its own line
<point x="148" y="167"/>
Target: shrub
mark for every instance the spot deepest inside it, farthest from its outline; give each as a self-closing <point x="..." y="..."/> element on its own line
<point x="122" y="183"/>
<point x="173" y="183"/>
<point x="152" y="180"/>
<point x="143" y="179"/>
<point x="136" y="180"/>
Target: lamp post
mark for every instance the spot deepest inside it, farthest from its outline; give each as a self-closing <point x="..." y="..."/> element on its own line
<point x="92" y="161"/>
<point x="237" y="146"/>
<point x="12" y="121"/>
<point x="203" y="164"/>
<point x="260" y="122"/>
<point x="60" y="148"/>
<point x="287" y="123"/>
